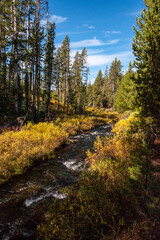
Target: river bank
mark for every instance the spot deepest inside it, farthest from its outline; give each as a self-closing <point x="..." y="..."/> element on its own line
<point x="25" y="198"/>
<point x="20" y="150"/>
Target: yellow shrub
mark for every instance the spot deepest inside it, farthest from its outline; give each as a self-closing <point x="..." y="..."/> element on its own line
<point x="129" y="138"/>
<point x="18" y="150"/>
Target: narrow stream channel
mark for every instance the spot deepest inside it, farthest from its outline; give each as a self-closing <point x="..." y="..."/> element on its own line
<point x="24" y="199"/>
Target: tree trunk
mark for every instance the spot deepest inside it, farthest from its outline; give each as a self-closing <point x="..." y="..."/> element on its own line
<point x="38" y="59"/>
<point x="0" y="58"/>
<point x="15" y="51"/>
<point x="27" y="59"/>
<point x="57" y="88"/>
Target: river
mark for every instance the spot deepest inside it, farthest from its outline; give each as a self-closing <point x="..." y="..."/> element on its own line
<point x="25" y="198"/>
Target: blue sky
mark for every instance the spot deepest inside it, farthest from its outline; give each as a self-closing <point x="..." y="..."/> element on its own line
<point x="104" y="27"/>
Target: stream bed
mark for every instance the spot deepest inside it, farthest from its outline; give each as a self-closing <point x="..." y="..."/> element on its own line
<point x="25" y="198"/>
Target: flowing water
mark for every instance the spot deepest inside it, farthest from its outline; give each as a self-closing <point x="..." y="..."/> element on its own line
<point x="25" y="199"/>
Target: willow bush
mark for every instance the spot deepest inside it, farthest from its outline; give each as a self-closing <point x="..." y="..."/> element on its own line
<point x="111" y="191"/>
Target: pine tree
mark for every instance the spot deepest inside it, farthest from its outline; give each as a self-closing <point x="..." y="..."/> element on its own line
<point x="97" y="90"/>
<point x="80" y="74"/>
<point x="76" y="82"/>
<point x="15" y="54"/>
<point x="89" y="95"/>
<point x="126" y="92"/>
<point x="115" y="76"/>
<point x="59" y="77"/>
<point x="30" y="69"/>
<point x="66" y="70"/>
<point x="107" y="90"/>
<point x="5" y="28"/>
<point x="49" y="62"/>
<point x="146" y="48"/>
<point x="84" y="73"/>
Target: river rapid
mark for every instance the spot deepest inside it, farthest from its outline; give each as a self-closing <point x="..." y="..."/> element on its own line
<point x="25" y="198"/>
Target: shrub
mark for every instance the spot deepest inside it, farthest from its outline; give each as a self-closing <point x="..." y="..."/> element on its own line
<point x="18" y="150"/>
<point x="97" y="209"/>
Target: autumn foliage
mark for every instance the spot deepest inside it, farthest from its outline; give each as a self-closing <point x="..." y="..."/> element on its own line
<point x="111" y="191"/>
<point x="20" y="150"/>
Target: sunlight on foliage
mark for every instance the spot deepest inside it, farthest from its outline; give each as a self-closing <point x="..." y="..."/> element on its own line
<point x="106" y="200"/>
<point x="19" y="150"/>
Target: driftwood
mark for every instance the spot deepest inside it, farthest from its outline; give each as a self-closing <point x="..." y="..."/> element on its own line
<point x="16" y="124"/>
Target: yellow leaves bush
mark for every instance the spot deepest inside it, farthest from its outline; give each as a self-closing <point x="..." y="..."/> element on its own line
<point x="122" y="145"/>
<point x="126" y="141"/>
<point x="104" y="202"/>
<point x="76" y="124"/>
<point x="18" y="150"/>
<point x="103" y="113"/>
<point x="123" y="127"/>
<point x="130" y="135"/>
<point x="79" y="123"/>
<point x="128" y="146"/>
<point x="92" y="212"/>
<point x="107" y="163"/>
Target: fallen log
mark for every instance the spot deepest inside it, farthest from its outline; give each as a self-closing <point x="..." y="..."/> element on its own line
<point x="16" y="124"/>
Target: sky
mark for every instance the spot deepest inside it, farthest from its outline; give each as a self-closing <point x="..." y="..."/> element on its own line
<point x="103" y="27"/>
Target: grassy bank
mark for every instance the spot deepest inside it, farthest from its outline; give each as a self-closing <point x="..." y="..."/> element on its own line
<point x="20" y="150"/>
<point x="115" y="194"/>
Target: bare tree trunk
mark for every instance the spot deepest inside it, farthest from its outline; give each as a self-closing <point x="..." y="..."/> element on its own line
<point x="68" y="87"/>
<point x="11" y="58"/>
<point x="64" y="89"/>
<point x="48" y="73"/>
<point x="61" y="90"/>
<point x="15" y="57"/>
<point x="4" y="69"/>
<point x="57" y="87"/>
<point x="76" y="91"/>
<point x="86" y="83"/>
<point x="38" y="57"/>
<point x="0" y="56"/>
<point x="34" y="76"/>
<point x="27" y="60"/>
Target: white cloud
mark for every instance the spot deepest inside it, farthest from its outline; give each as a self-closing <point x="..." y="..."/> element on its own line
<point x="94" y="51"/>
<point x="55" y="19"/>
<point x="89" y="51"/>
<point x="112" y="32"/>
<point x="99" y="60"/>
<point x="88" y="26"/>
<point x="108" y="33"/>
<point x="70" y="33"/>
<point x="92" y="43"/>
<point x="134" y="13"/>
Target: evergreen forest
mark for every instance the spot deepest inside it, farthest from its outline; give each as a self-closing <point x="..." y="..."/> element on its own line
<point x="79" y="159"/>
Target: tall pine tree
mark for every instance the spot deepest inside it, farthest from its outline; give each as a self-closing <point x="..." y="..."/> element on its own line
<point x="146" y="48"/>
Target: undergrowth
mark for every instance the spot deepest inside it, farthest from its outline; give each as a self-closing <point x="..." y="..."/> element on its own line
<point x="114" y="192"/>
<point x="19" y="150"/>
